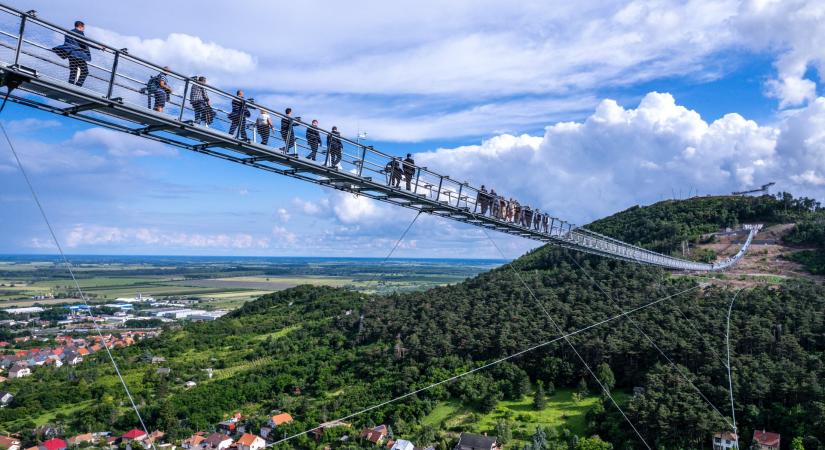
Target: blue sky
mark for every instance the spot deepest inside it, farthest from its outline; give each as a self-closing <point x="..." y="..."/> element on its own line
<point x="580" y="110"/>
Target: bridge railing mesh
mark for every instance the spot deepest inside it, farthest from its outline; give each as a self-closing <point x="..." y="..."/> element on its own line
<point x="118" y="76"/>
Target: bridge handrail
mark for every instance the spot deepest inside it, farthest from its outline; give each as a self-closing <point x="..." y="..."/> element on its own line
<point x="363" y="159"/>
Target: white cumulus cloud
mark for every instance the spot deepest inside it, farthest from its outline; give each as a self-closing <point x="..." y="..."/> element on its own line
<point x="182" y="52"/>
<point x="619" y="157"/>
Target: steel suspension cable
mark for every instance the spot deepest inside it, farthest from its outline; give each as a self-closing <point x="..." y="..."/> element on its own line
<point x="569" y="342"/>
<point x="68" y="266"/>
<point x="495" y="362"/>
<point x="730" y="376"/>
<point x="394" y="247"/>
<point x="652" y="342"/>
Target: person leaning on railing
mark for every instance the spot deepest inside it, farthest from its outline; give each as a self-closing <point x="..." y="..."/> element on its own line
<point x="77" y="52"/>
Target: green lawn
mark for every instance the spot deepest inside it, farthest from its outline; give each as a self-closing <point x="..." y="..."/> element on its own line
<point x="560" y="410"/>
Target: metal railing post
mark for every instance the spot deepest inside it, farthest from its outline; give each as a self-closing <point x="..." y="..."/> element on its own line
<point x="19" y="47"/>
<point x="363" y="158"/>
<point x="111" y="87"/>
<point x="458" y="201"/>
<point x="440" y="182"/>
<point x="417" y="176"/>
<point x="183" y="100"/>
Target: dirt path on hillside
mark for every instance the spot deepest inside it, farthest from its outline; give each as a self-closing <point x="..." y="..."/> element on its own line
<point x="765" y="263"/>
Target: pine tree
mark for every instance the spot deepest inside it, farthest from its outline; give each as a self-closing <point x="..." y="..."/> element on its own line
<point x="539" y="401"/>
<point x="539" y="439"/>
<point x="606" y="376"/>
<point x="583" y="388"/>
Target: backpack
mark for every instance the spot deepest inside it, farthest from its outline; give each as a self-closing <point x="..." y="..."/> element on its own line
<point x="153" y="84"/>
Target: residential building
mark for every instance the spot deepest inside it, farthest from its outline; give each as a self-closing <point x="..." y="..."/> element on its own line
<point x="403" y="444"/>
<point x="9" y="443"/>
<point x="724" y="440"/>
<point x="194" y="441"/>
<point x="5" y="399"/>
<point x="250" y="442"/>
<point x="376" y="435"/>
<point x="216" y="441"/>
<point x="19" y="372"/>
<point x="279" y="419"/>
<point x="765" y="440"/>
<point x="53" y="444"/>
<point x="470" y="441"/>
<point x="80" y="438"/>
<point x="133" y="435"/>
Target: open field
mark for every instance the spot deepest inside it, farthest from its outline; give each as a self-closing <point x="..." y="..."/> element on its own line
<point x="561" y="410"/>
<point x="217" y="283"/>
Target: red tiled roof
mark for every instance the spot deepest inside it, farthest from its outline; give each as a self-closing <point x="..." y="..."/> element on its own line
<point x="8" y="441"/>
<point x="766" y="438"/>
<point x="54" y="444"/>
<point x="282" y="418"/>
<point x="134" y="434"/>
<point x="247" y="439"/>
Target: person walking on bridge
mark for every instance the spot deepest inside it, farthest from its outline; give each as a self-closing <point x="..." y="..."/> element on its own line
<point x="287" y="133"/>
<point x="481" y="200"/>
<point x="409" y="170"/>
<point x="393" y="171"/>
<point x="77" y="52"/>
<point x="264" y="126"/>
<point x="334" y="147"/>
<point x="199" y="99"/>
<point x="313" y="139"/>
<point x="238" y="116"/>
<point x="158" y="89"/>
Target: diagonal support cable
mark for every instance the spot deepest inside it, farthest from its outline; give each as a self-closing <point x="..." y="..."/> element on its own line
<point x="74" y="279"/>
<point x="495" y="362"/>
<point x="652" y="342"/>
<point x="730" y="375"/>
<point x="569" y="342"/>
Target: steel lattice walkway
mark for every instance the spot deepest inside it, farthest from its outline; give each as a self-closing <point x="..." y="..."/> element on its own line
<point x="112" y="97"/>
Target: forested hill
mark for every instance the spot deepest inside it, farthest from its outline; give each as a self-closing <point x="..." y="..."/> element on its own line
<point x="663" y="226"/>
<point x="347" y="351"/>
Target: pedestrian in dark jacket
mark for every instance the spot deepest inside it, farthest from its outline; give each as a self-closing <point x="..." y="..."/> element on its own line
<point x="482" y="200"/>
<point x="77" y="52"/>
<point x="409" y="170"/>
<point x="334" y="147"/>
<point x="158" y="89"/>
<point x="238" y="116"/>
<point x="393" y="171"/>
<point x="313" y="139"/>
<point x="287" y="133"/>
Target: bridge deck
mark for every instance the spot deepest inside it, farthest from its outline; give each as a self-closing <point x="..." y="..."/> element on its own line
<point x="112" y="97"/>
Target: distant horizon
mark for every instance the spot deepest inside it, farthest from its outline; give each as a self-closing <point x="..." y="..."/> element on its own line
<point x="82" y="255"/>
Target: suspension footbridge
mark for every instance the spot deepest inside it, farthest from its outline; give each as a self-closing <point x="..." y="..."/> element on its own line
<point x="114" y="96"/>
